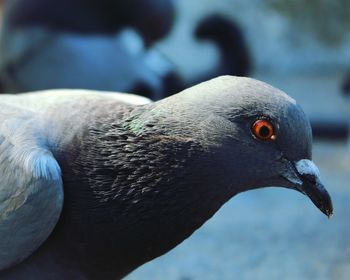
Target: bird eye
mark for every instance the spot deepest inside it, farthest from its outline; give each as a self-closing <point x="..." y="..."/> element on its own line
<point x="263" y="130"/>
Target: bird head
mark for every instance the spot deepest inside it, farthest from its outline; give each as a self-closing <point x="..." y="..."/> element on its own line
<point x="256" y="135"/>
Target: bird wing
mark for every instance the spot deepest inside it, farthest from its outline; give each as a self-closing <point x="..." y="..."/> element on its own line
<point x="41" y="100"/>
<point x="31" y="190"/>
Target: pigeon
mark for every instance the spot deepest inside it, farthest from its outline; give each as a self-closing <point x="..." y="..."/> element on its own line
<point x="100" y="45"/>
<point x="228" y="36"/>
<point x="116" y="63"/>
<point x="152" y="18"/>
<point x="95" y="184"/>
<point x="106" y="45"/>
<point x="234" y="59"/>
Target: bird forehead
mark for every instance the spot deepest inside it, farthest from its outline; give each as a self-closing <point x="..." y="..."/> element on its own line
<point x="245" y="94"/>
<point x="294" y="134"/>
<point x="254" y="106"/>
<point x="295" y="122"/>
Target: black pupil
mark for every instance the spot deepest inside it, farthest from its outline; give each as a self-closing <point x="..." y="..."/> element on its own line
<point x="264" y="131"/>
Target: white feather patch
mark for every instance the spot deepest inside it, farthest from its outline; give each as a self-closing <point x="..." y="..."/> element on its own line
<point x="31" y="191"/>
<point x="40" y="163"/>
<point x="29" y="151"/>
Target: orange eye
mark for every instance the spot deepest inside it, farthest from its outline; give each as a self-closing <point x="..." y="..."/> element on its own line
<point x="263" y="130"/>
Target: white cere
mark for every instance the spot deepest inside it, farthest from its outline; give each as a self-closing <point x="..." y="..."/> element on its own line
<point x="305" y="166"/>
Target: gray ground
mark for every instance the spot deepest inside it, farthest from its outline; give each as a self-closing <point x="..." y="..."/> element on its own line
<point x="275" y="233"/>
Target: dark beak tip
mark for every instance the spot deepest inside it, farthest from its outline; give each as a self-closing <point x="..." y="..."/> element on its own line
<point x="327" y="206"/>
<point x="320" y="197"/>
<point x="312" y="186"/>
<point x="329" y="211"/>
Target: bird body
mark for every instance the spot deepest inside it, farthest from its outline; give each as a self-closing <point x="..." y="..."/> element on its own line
<point x="139" y="179"/>
<point x="31" y="186"/>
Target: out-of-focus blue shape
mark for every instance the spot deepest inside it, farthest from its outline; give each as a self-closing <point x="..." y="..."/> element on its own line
<point x="83" y="44"/>
<point x="78" y="44"/>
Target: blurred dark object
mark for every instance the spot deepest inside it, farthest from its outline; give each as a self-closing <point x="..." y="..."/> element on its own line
<point x="226" y="34"/>
<point x="102" y="45"/>
<point x="234" y="53"/>
<point x="336" y="129"/>
<point x="105" y="45"/>
<point x="346" y="92"/>
<point x="346" y="85"/>
<point x="331" y="130"/>
<point x="153" y="19"/>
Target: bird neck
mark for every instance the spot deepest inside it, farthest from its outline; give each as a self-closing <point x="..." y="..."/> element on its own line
<point x="130" y="198"/>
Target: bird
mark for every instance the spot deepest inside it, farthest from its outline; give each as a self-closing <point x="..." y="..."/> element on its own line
<point x="95" y="184"/>
<point x="106" y="45"/>
<point x="228" y="36"/>
<point x="101" y="45"/>
<point x="234" y="54"/>
<point x="152" y="18"/>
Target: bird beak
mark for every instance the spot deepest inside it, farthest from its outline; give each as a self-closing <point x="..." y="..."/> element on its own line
<point x="310" y="184"/>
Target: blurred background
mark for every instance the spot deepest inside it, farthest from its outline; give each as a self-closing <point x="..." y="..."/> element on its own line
<point x="159" y="47"/>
